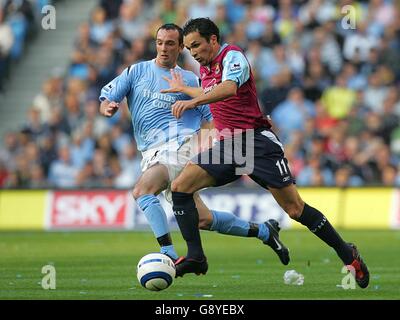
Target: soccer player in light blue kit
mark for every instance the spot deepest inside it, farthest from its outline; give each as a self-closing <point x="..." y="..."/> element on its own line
<point x="166" y="143"/>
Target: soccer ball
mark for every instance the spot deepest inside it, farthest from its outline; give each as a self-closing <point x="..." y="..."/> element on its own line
<point x="156" y="271"/>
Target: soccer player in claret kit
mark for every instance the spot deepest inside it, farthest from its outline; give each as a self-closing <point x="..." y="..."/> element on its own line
<point x="166" y="143"/>
<point x="228" y="86"/>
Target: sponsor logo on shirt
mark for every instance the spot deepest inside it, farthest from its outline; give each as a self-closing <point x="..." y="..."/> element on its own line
<point x="208" y="89"/>
<point x="210" y="85"/>
<point x="161" y="100"/>
<point x="108" y="87"/>
<point x="234" y="67"/>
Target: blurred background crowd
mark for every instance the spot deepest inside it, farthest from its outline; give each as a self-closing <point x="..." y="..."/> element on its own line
<point x="330" y="83"/>
<point x="18" y="25"/>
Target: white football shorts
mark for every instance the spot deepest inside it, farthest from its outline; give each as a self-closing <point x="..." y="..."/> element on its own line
<point x="172" y="156"/>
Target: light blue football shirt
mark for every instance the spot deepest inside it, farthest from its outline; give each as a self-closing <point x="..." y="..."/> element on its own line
<point x="153" y="122"/>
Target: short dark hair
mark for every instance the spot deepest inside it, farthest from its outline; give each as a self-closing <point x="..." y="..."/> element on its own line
<point x="204" y="26"/>
<point x="172" y="26"/>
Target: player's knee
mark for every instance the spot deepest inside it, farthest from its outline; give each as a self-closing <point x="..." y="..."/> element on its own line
<point x="136" y="193"/>
<point x="294" y="210"/>
<point x="140" y="190"/>
<point x="178" y="186"/>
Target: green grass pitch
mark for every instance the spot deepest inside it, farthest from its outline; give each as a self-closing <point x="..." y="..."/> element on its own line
<point x="101" y="265"/>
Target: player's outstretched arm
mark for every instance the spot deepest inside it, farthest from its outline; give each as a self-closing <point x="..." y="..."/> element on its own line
<point x="108" y="108"/>
<point x="221" y="92"/>
<point x="176" y="84"/>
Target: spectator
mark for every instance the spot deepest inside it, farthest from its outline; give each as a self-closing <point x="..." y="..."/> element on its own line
<point x="6" y="43"/>
<point x="388" y="176"/>
<point x="201" y="8"/>
<point x="47" y="152"/>
<point x="43" y="101"/>
<point x="292" y="114"/>
<point x="338" y="100"/>
<point x="132" y="22"/>
<point x="3" y="174"/>
<point x="375" y="93"/>
<point x="37" y="178"/>
<point x="345" y="178"/>
<point x="100" y="28"/>
<point x="313" y="175"/>
<point x="87" y="177"/>
<point x="130" y="161"/>
<point x="62" y="173"/>
<point x="277" y="90"/>
<point x="329" y="50"/>
<point x="10" y="149"/>
<point x="34" y="125"/>
<point x="316" y="80"/>
<point x="358" y="45"/>
<point x="111" y="7"/>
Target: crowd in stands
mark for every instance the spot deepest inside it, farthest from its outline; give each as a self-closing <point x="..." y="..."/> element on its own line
<point x="19" y="23"/>
<point x="328" y="73"/>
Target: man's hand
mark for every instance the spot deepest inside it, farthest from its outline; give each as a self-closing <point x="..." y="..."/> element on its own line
<point x="175" y="83"/>
<point x="180" y="106"/>
<point x="109" y="109"/>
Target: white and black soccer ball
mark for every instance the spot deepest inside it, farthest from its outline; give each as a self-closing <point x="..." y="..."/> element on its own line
<point x="156" y="271"/>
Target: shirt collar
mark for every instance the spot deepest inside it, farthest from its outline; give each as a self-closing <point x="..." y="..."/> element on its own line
<point x="219" y="51"/>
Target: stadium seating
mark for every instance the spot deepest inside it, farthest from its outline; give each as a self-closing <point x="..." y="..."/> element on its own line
<point x="332" y="91"/>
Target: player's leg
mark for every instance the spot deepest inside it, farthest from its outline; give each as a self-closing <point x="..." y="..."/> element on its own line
<point x="150" y="184"/>
<point x="266" y="152"/>
<point x="190" y="180"/>
<point x="290" y="201"/>
<point x="228" y="223"/>
<point x="272" y="171"/>
<point x="205" y="170"/>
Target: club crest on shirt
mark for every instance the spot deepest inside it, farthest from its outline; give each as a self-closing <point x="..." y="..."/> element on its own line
<point x="217" y="68"/>
<point x="234" y="66"/>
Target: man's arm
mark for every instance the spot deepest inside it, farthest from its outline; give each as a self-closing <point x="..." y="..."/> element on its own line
<point x="192" y="91"/>
<point x="114" y="92"/>
<point x="224" y="90"/>
<point x="108" y="108"/>
<point x="236" y="71"/>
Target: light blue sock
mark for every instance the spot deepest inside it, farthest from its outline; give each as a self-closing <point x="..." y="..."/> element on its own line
<point x="228" y="223"/>
<point x="263" y="232"/>
<point x="169" y="250"/>
<point x="157" y="219"/>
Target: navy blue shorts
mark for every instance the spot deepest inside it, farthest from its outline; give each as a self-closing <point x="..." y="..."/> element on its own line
<point x="258" y="154"/>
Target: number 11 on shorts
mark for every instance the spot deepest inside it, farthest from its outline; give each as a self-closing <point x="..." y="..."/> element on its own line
<point x="282" y="167"/>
